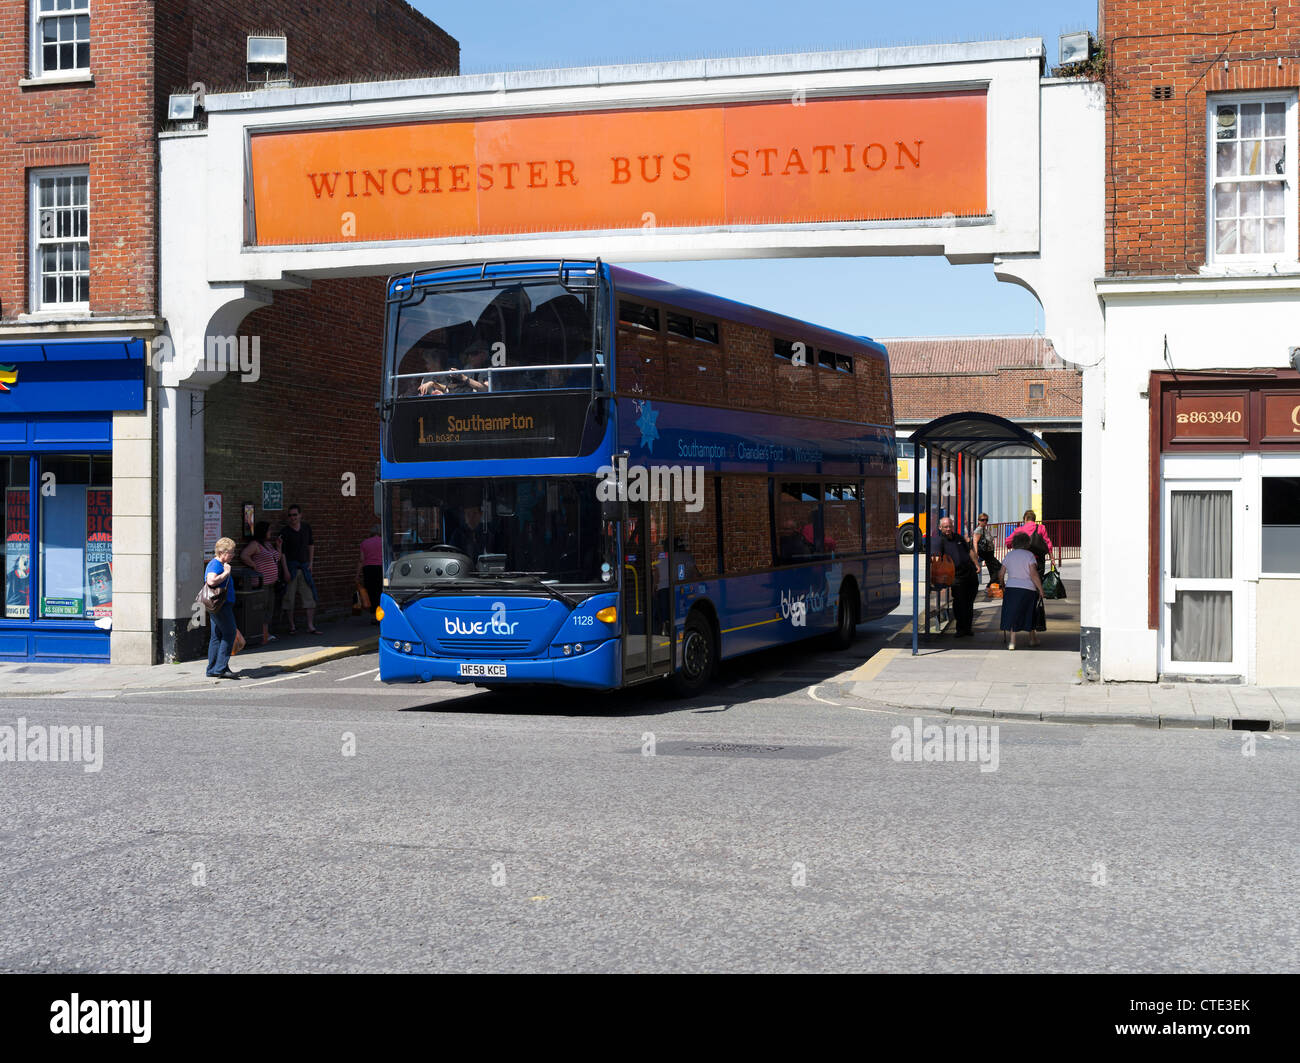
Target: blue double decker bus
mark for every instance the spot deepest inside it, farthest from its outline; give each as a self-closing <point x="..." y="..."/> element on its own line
<point x="594" y="479"/>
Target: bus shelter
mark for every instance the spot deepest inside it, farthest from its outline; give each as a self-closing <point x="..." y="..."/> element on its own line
<point x="952" y="450"/>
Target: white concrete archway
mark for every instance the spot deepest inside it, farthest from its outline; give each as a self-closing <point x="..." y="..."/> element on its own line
<point x="1041" y="227"/>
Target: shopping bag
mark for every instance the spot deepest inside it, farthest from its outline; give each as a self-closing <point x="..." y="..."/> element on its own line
<point x="1040" y="616"/>
<point x="1053" y="585"/>
<point x="995" y="591"/>
<point x="239" y="642"/>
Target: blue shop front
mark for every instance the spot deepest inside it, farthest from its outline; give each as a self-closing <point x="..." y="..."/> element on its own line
<point x="57" y="400"/>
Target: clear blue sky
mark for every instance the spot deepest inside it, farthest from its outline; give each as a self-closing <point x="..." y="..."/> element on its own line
<point x="879" y="297"/>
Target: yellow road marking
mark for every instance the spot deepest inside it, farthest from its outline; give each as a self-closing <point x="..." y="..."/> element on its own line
<point x="878" y="662"/>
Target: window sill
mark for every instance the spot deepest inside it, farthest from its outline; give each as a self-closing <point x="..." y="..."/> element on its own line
<point x="76" y="77"/>
<point x="76" y="313"/>
<point x="1251" y="268"/>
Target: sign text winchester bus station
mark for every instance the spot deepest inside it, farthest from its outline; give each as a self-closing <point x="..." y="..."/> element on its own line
<point x="917" y="155"/>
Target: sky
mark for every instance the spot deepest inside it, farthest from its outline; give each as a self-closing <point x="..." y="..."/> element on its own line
<point x="885" y="297"/>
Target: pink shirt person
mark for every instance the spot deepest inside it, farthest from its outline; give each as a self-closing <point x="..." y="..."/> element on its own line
<point x="1029" y="527"/>
<point x="372" y="551"/>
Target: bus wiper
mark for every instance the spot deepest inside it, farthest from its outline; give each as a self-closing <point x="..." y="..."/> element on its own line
<point x="528" y="577"/>
<point x="515" y="579"/>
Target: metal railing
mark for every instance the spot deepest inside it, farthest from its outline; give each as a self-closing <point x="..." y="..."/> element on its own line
<point x="1064" y="535"/>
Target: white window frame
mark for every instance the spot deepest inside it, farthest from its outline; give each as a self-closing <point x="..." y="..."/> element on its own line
<point x="37" y="287"/>
<point x="1267" y="260"/>
<point x="37" y="16"/>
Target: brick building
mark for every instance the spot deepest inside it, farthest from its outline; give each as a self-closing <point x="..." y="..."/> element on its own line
<point x="1193" y="414"/>
<point x="1020" y="378"/>
<point x="83" y="95"/>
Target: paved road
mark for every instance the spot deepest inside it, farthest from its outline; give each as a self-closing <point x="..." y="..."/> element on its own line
<point x="472" y="831"/>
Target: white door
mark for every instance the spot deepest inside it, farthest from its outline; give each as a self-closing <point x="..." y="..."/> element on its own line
<point x="1204" y="621"/>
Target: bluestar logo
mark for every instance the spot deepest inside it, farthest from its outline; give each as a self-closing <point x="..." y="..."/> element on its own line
<point x="456" y="626"/>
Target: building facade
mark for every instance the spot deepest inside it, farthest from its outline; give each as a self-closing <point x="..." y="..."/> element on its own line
<point x="83" y="94"/>
<point x="1193" y="414"/>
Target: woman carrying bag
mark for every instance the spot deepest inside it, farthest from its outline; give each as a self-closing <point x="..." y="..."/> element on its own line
<point x="1022" y="593"/>
<point x="218" y="597"/>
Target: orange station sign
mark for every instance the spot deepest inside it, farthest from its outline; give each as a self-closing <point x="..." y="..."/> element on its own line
<point x="895" y="157"/>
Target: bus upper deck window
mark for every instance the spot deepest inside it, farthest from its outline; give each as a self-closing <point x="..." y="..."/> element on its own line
<point x="638" y="315"/>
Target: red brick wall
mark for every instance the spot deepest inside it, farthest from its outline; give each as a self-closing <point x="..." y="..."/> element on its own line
<point x="105" y="125"/>
<point x="329" y="40"/>
<point x="1005" y="393"/>
<point x="1156" y="148"/>
<point x="140" y="51"/>
<point x="306" y="422"/>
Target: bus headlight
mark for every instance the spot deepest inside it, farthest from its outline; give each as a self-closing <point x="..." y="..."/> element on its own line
<point x="608" y="615"/>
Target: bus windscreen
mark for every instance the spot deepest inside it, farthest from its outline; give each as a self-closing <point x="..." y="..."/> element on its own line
<point x="547" y="527"/>
<point x="491" y="338"/>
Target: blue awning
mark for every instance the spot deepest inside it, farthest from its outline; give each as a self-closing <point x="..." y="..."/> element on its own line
<point x="71" y="375"/>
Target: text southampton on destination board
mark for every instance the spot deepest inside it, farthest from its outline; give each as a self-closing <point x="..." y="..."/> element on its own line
<point x="871" y="158"/>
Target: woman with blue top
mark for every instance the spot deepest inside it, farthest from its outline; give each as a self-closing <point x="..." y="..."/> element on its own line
<point x="221" y="643"/>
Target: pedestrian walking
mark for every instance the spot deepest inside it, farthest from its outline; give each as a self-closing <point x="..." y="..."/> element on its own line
<point x="1022" y="591"/>
<point x="300" y="557"/>
<point x="267" y="561"/>
<point x="370" y="569"/>
<point x="966" y="579"/>
<point x="1039" y="544"/>
<point x="221" y="641"/>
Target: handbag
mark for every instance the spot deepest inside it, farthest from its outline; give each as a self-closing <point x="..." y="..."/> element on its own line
<point x="1037" y="544"/>
<point x="943" y="573"/>
<point x="1040" y="615"/>
<point x="1053" y="585"/>
<point x="211" y="598"/>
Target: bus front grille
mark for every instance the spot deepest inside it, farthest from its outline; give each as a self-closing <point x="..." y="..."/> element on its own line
<point x="479" y="648"/>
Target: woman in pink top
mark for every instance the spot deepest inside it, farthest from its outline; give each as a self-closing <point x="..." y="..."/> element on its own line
<point x="370" y="569"/>
<point x="1030" y="526"/>
<point x="268" y="562"/>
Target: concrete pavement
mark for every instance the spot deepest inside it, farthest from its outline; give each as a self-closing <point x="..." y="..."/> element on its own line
<point x="980" y="677"/>
<point x="340" y="638"/>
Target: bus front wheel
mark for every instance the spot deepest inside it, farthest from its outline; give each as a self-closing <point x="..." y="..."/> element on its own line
<point x="698" y="657"/>
<point x="906" y="538"/>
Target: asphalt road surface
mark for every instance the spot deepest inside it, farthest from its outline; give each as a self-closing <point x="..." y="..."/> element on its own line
<point x="323" y="821"/>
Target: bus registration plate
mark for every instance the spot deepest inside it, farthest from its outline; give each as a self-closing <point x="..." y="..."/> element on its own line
<point x="496" y="671"/>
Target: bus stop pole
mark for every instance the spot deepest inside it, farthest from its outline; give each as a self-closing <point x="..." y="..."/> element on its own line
<point x="916" y="543"/>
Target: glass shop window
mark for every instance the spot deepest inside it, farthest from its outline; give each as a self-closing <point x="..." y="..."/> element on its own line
<point x="76" y="532"/>
<point x="18" y="547"/>
<point x="1281" y="519"/>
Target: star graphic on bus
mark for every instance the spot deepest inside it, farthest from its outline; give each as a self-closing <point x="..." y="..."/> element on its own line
<point x="646" y="422"/>
<point x="8" y="375"/>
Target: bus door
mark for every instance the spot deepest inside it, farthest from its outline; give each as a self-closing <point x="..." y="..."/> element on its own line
<point x="647" y="622"/>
